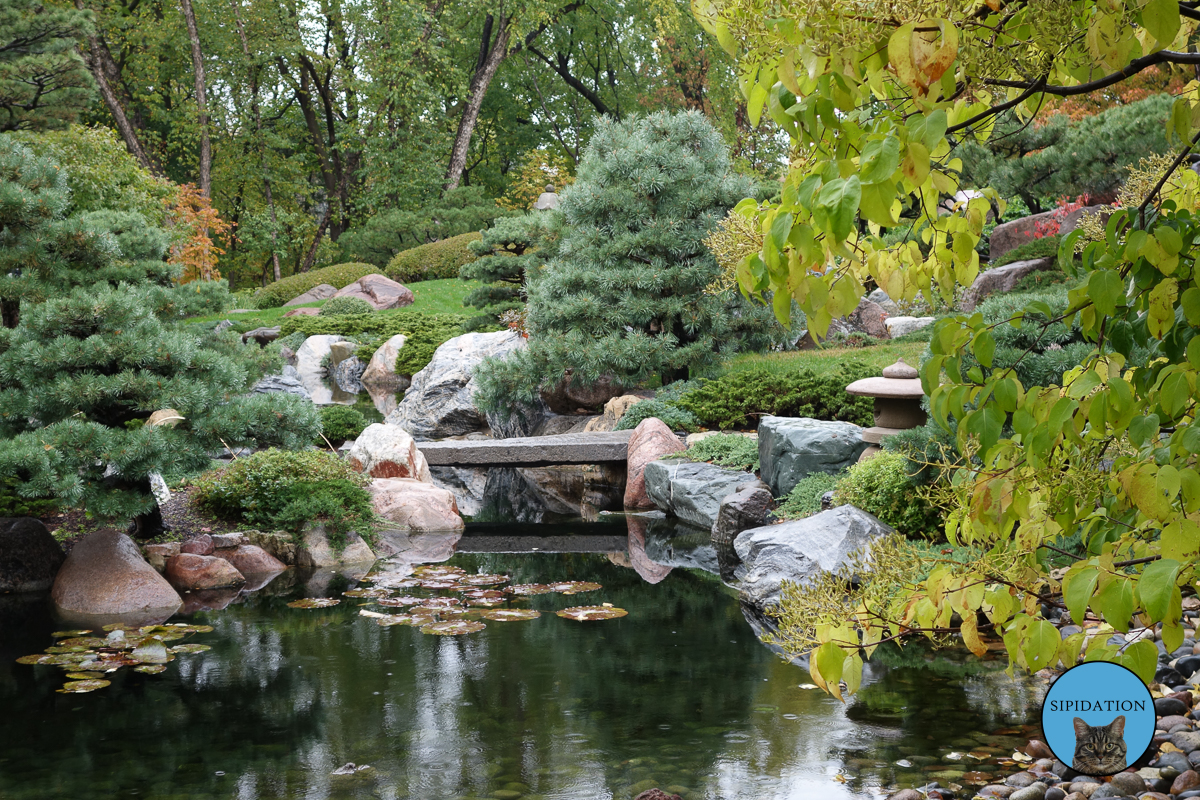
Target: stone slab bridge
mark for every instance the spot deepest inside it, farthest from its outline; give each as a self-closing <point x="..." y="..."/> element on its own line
<point x="529" y="451"/>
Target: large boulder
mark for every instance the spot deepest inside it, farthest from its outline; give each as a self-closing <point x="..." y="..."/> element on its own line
<point x="309" y="370"/>
<point x="1002" y="279"/>
<point x="29" y="556"/>
<point x="571" y="396"/>
<point x="886" y="304"/>
<point x="261" y="336"/>
<point x="287" y="381"/>
<point x="250" y="559"/>
<point x="1013" y="234"/>
<point x="387" y="451"/>
<point x="614" y="409"/>
<point x="792" y="448"/>
<point x="415" y="506"/>
<point x="439" y="402"/>
<point x="316" y="552"/>
<point x="346" y="375"/>
<point x="798" y="551"/>
<point x="869" y="317"/>
<point x="322" y="291"/>
<point x="381" y="371"/>
<point x="651" y="440"/>
<point x="380" y="291"/>
<point x="748" y="507"/>
<point x="189" y="572"/>
<point x="105" y="577"/>
<point x="693" y="491"/>
<point x="899" y="326"/>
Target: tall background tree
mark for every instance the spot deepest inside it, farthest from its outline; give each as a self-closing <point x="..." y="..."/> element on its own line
<point x="43" y="81"/>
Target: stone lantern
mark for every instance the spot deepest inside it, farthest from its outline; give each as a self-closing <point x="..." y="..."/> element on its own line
<point x="546" y="200"/>
<point x="897" y="403"/>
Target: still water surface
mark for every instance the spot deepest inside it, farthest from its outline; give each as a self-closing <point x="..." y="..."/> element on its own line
<point x="679" y="694"/>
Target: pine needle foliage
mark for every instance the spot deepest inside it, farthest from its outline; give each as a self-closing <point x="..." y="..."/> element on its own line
<point x="508" y="254"/>
<point x="625" y="295"/>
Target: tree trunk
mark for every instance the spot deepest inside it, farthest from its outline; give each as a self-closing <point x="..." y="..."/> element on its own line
<point x="311" y="257"/>
<point x="484" y="72"/>
<point x="189" y="16"/>
<point x="101" y="64"/>
<point x="237" y="16"/>
<point x="10" y="313"/>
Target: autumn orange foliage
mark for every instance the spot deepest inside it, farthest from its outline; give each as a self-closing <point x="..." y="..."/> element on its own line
<point x="1152" y="81"/>
<point x="197" y="225"/>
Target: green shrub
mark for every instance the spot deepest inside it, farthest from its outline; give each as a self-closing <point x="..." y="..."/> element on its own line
<point x="672" y="416"/>
<point x="292" y="341"/>
<point x="882" y="486"/>
<point x="432" y="261"/>
<point x="12" y="504"/>
<point x="739" y="398"/>
<point x="344" y="306"/>
<point x="425" y="332"/>
<point x="1045" y="247"/>
<point x="339" y="276"/>
<point x="286" y="488"/>
<point x="725" y="450"/>
<point x="804" y="499"/>
<point x="926" y="447"/>
<point x="339" y="423"/>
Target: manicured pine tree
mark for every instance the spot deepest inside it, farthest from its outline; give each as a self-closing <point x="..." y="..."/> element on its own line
<point x="510" y="251"/>
<point x="626" y="296"/>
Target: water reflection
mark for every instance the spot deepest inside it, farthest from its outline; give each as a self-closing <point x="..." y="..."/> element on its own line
<point x="679" y="694"/>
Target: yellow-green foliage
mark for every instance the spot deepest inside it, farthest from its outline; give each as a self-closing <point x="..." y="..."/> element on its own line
<point x="881" y="486"/>
<point x="339" y="276"/>
<point x="432" y="261"/>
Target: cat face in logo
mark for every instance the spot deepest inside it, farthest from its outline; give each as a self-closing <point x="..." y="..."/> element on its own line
<point x="1099" y="749"/>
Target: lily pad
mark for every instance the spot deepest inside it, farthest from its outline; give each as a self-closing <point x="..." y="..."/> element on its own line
<point x="589" y="613"/>
<point x="525" y="589"/>
<point x="366" y="593"/>
<point x="40" y="658"/>
<point x="87" y="676"/>
<point x="80" y="687"/>
<point x="199" y="628"/>
<point x="438" y="570"/>
<point x="395" y="583"/>
<point x="440" y="583"/>
<point x="486" y="602"/>
<point x="151" y="669"/>
<point x="483" y="580"/>
<point x="86" y="642"/>
<point x="401" y="602"/>
<point x="314" y="602"/>
<point x="151" y="653"/>
<point x="65" y="634"/>
<point x="485" y="594"/>
<point x="388" y="620"/>
<point x="190" y="648"/>
<point x="119" y="626"/>
<point x="66" y="658"/>
<point x="439" y="603"/>
<point x="575" y="587"/>
<point x="453" y="627"/>
<point x="510" y="614"/>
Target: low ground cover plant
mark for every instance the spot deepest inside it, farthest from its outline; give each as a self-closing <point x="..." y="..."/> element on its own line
<point x="345" y="306"/>
<point x="725" y="450"/>
<point x="339" y="423"/>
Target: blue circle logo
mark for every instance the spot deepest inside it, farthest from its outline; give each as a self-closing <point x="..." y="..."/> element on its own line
<point x="1098" y="718"/>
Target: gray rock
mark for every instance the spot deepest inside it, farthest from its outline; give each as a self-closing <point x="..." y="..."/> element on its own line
<point x="1002" y="279"/>
<point x="322" y="291"/>
<point x="439" y="401"/>
<point x="1128" y="783"/>
<point x="346" y="375"/>
<point x="1169" y="707"/>
<point x="381" y="371"/>
<point x="1186" y="741"/>
<point x="880" y="298"/>
<point x="798" y="551"/>
<point x="525" y="420"/>
<point x="869" y="318"/>
<point x="466" y="484"/>
<point x="555" y="424"/>
<point x="1034" y="791"/>
<point x="792" y="448"/>
<point x="680" y="546"/>
<point x="316" y="553"/>
<point x="106" y="579"/>
<point x="748" y="507"/>
<point x="281" y="383"/>
<point x="223" y="325"/>
<point x="29" y="556"/>
<point x="899" y="326"/>
<point x="691" y="491"/>
<point x="309" y="369"/>
<point x="1177" y="761"/>
<point x="263" y="336"/>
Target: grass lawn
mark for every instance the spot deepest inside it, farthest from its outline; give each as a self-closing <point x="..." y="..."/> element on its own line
<point x="827" y="359"/>
<point x="429" y="297"/>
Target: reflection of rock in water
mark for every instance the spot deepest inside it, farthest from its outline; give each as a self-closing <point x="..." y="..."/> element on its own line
<point x="727" y="561"/>
<point x="403" y="550"/>
<point x="385" y="398"/>
<point x="546" y="494"/>
<point x="650" y="571"/>
<point x="676" y="544"/>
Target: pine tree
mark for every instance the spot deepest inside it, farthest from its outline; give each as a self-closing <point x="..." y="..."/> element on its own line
<point x="43" y="81"/>
<point x="92" y="355"/>
<point x="511" y="250"/>
<point x="626" y="295"/>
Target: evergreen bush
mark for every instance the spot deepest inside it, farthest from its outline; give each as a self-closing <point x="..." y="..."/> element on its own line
<point x="344" y="306"/>
<point x="671" y="415"/>
<point x="433" y="261"/>
<point x="738" y="399"/>
<point x="725" y="450"/>
<point x="804" y="499"/>
<point x="508" y="254"/>
<point x="626" y="295"/>
<point x="339" y="276"/>
<point x="339" y="423"/>
<point x="882" y="486"/>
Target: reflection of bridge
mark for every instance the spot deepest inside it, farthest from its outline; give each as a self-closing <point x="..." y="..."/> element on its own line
<point x="529" y="451"/>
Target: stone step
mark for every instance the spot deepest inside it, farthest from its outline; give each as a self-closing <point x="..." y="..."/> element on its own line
<point x="529" y="451"/>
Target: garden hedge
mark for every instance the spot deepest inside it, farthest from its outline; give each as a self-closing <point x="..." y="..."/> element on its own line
<point x="433" y="261"/>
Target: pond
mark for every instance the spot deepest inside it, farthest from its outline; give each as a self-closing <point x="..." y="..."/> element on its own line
<point x="679" y="694"/>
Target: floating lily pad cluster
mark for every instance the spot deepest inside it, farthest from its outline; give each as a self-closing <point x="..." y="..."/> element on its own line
<point x="88" y="657"/>
<point x="464" y="603"/>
